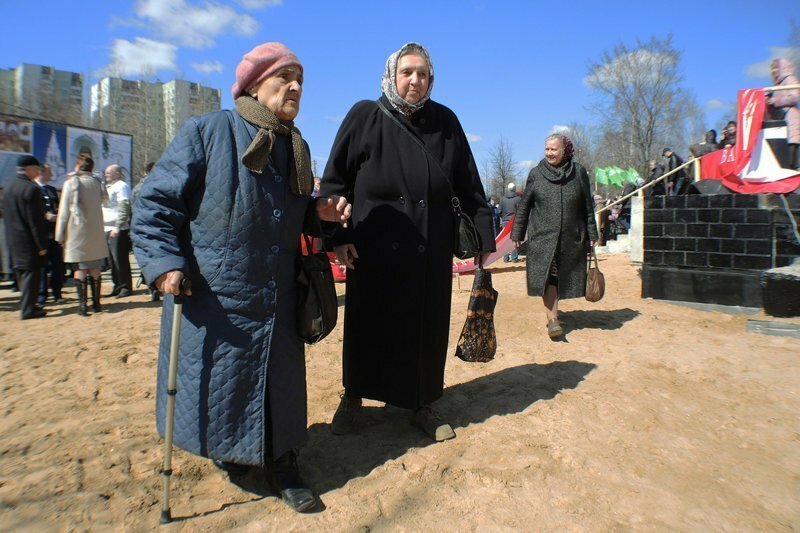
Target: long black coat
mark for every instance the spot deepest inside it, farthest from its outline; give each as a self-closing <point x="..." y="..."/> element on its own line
<point x="552" y="211"/>
<point x="397" y="307"/>
<point x="26" y="227"/>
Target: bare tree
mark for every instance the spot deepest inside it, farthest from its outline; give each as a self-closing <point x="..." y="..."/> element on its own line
<point x="794" y="44"/>
<point x="499" y="169"/>
<point x="641" y="105"/>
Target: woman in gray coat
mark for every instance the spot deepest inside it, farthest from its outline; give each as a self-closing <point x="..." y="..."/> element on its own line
<point x="557" y="210"/>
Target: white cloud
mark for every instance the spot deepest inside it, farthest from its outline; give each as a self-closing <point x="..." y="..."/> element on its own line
<point x="526" y="164"/>
<point x="559" y="128"/>
<point x="190" y="25"/>
<point x="334" y="118"/>
<point x="716" y="103"/>
<point x="471" y="137"/>
<point x="258" y="4"/>
<point x="762" y="68"/>
<point x="208" y="67"/>
<point x="125" y="22"/>
<point x="141" y="57"/>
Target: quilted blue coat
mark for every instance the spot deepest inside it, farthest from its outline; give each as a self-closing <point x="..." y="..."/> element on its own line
<point x="241" y="375"/>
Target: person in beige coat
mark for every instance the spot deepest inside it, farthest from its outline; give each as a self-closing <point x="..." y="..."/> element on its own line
<point x="79" y="228"/>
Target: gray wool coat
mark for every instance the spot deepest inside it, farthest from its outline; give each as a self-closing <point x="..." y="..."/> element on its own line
<point x="241" y="369"/>
<point x="553" y="211"/>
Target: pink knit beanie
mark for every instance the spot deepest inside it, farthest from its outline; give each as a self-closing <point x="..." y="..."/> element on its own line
<point x="260" y="62"/>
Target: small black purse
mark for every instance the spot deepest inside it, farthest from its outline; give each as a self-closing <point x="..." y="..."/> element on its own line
<point x="467" y="241"/>
<point x="317" y="305"/>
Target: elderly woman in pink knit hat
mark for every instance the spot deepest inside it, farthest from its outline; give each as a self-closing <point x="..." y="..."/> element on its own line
<point x="225" y="207"/>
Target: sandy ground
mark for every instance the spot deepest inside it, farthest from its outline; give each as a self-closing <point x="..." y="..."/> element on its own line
<point x="650" y="416"/>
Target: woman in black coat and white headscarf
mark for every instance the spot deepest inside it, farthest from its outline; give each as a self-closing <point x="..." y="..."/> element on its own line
<point x="400" y="247"/>
<point x="557" y="210"/>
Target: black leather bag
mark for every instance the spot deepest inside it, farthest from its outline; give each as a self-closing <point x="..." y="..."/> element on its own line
<point x="467" y="241"/>
<point x="317" y="305"/>
<point x="478" y="340"/>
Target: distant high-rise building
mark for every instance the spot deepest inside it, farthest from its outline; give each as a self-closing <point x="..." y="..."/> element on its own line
<point x="151" y="112"/>
<point x="42" y="92"/>
<point x="183" y="99"/>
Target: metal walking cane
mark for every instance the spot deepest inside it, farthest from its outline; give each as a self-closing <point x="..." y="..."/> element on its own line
<point x="172" y="391"/>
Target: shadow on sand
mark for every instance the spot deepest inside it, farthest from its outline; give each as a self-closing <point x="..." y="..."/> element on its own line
<point x="330" y="461"/>
<point x="596" y="319"/>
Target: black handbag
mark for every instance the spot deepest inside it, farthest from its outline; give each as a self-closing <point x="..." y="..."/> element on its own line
<point x="478" y="341"/>
<point x="317" y="305"/>
<point x="466" y="240"/>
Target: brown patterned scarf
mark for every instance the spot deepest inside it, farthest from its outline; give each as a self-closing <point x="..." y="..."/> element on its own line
<point x="256" y="156"/>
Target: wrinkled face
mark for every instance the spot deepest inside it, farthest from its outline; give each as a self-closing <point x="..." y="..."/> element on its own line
<point x="413" y="78"/>
<point x="280" y="92"/>
<point x="554" y="151"/>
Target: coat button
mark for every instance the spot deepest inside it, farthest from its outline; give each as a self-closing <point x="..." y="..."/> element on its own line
<point x="421" y="248"/>
<point x="402" y="200"/>
<point x="421" y="203"/>
<point x="395" y="246"/>
<point x="272" y="284"/>
<point x="278" y="178"/>
<point x="275" y="249"/>
<point x="277" y="213"/>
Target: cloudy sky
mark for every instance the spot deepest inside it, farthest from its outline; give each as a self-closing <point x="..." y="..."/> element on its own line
<point x="507" y="68"/>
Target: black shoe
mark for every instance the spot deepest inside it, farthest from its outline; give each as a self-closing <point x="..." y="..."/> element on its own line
<point x="37" y="313"/>
<point x="155" y="296"/>
<point x="114" y="292"/>
<point x="293" y="490"/>
<point x="124" y="293"/>
<point x="231" y="468"/>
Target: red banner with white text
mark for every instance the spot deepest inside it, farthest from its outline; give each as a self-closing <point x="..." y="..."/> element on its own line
<point x="749" y="166"/>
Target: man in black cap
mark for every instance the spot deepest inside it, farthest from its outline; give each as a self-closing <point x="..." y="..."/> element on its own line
<point x="26" y="232"/>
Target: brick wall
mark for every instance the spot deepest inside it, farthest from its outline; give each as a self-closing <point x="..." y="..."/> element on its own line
<point x="712" y="248"/>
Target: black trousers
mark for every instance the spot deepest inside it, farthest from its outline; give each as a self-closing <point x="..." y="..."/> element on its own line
<point x="28" y="282"/>
<point x="53" y="275"/>
<point x="119" y="249"/>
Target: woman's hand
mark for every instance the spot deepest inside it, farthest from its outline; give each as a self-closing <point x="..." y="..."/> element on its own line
<point x="516" y="244"/>
<point x="334" y="209"/>
<point x="170" y="283"/>
<point x="346" y="254"/>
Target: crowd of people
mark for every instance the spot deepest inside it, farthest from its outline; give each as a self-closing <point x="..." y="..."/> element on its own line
<point x="83" y="229"/>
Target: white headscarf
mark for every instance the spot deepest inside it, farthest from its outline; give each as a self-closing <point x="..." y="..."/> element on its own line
<point x="389" y="80"/>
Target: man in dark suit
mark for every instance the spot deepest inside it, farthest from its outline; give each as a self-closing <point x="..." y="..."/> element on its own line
<point x="26" y="232"/>
<point x="53" y="275"/>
